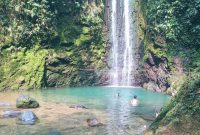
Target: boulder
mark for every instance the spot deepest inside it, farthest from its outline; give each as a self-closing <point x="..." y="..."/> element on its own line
<point x="26" y="102"/>
<point x="27" y="118"/>
<point x="93" y="122"/>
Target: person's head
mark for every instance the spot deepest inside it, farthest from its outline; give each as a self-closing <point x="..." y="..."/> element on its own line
<point x="135" y="97"/>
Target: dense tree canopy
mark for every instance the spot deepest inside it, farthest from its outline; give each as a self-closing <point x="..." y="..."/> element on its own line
<point x="173" y="27"/>
<point x="25" y="22"/>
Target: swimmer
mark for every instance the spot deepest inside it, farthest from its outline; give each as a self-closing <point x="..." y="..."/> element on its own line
<point x="117" y="95"/>
<point x="134" y="101"/>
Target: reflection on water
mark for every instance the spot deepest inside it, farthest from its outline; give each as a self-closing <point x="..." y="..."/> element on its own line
<point x="116" y="113"/>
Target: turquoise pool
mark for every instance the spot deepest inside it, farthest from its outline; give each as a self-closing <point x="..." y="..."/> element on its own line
<point x="103" y="103"/>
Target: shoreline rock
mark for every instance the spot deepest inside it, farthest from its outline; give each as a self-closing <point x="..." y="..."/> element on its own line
<point x="93" y="122"/>
<point x="27" y="118"/>
<point x="10" y="114"/>
<point x="4" y="104"/>
<point x="26" y="102"/>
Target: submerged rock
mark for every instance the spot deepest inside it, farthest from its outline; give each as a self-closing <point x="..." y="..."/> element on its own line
<point x="10" y="114"/>
<point x="52" y="133"/>
<point x="93" y="122"/>
<point x="27" y="118"/>
<point x="4" y="104"/>
<point x="1" y="126"/>
<point x="78" y="106"/>
<point x="26" y="102"/>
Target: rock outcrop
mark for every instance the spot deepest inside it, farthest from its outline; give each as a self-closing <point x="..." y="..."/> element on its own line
<point x="157" y="72"/>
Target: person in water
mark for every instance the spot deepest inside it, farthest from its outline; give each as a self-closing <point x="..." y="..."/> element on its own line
<point x="134" y="101"/>
<point x="118" y="95"/>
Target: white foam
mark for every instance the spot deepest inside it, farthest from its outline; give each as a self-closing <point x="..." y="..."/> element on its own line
<point x="116" y="86"/>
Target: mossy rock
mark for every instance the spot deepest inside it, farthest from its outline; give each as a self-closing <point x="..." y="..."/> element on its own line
<point x="182" y="114"/>
<point x="26" y="102"/>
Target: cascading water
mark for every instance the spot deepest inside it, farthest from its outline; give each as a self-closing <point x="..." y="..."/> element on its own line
<point x="123" y="43"/>
<point x="115" y="74"/>
<point x="128" y="57"/>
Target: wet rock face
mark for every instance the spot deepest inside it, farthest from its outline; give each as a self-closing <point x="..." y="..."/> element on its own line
<point x="26" y="102"/>
<point x="60" y="71"/>
<point x="157" y="72"/>
<point x="56" y="61"/>
<point x="55" y="70"/>
<point x="27" y="118"/>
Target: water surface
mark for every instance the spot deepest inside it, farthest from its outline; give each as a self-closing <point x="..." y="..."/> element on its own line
<point x="116" y="113"/>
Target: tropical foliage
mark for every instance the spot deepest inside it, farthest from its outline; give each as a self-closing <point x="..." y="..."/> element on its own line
<point x="45" y="30"/>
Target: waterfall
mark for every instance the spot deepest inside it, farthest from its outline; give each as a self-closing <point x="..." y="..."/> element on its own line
<point x="123" y="42"/>
<point x="115" y="75"/>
